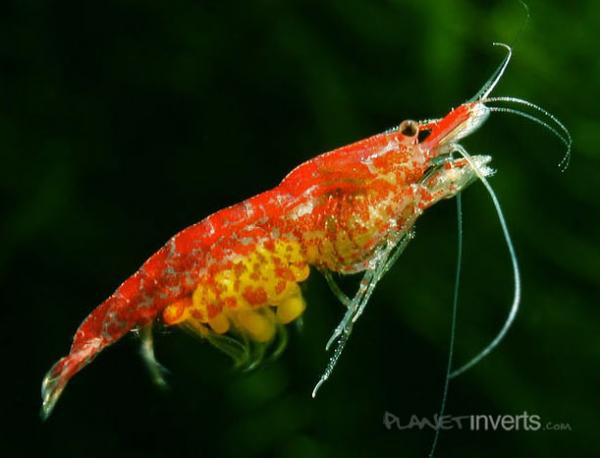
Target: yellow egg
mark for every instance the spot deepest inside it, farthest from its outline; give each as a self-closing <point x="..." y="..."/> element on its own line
<point x="259" y="325"/>
<point x="219" y="324"/>
<point x="290" y="309"/>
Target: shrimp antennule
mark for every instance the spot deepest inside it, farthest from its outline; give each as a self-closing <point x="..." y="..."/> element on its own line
<point x="564" y="137"/>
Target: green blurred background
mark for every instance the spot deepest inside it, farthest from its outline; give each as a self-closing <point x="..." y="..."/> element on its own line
<point x="123" y="122"/>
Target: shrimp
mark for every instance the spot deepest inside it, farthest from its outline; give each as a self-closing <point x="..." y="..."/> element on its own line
<point x="234" y="278"/>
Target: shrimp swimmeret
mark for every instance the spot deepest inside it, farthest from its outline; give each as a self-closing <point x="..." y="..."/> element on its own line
<point x="233" y="278"/>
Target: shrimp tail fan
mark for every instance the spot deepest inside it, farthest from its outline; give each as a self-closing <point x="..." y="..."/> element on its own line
<point x="107" y="323"/>
<point x="65" y="368"/>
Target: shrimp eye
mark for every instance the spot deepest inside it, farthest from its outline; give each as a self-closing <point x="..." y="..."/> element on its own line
<point x="408" y="128"/>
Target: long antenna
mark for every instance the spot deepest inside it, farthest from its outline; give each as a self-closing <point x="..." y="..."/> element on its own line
<point x="453" y="321"/>
<point x="515" y="265"/>
<point x="491" y="83"/>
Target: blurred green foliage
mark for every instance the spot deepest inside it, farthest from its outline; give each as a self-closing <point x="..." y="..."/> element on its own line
<point x="122" y="122"/>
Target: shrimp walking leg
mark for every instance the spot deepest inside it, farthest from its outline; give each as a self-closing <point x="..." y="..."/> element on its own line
<point x="366" y="288"/>
<point x="399" y="250"/>
<point x="345" y="324"/>
<point x="345" y="300"/>
<point x="390" y="255"/>
<point x="147" y="350"/>
<point x="344" y="329"/>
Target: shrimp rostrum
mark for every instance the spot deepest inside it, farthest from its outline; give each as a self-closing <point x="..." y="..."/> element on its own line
<point x="234" y="278"/>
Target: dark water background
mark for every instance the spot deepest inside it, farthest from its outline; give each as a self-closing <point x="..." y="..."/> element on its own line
<point x="121" y="122"/>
